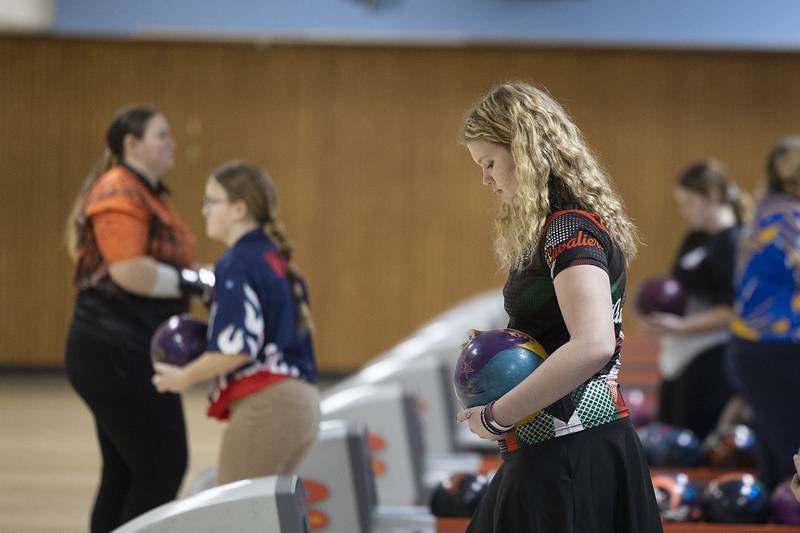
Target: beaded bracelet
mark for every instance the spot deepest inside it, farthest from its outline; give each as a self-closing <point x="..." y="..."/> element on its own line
<point x="491" y="425"/>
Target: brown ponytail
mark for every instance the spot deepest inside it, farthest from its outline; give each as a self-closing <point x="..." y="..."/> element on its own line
<point x="128" y="120"/>
<point x="255" y="188"/>
<point x="71" y="229"/>
<point x="710" y="179"/>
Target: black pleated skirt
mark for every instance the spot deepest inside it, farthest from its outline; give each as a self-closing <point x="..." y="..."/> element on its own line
<point x="594" y="481"/>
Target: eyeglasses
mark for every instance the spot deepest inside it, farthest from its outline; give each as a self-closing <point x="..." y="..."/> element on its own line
<point x="207" y="200"/>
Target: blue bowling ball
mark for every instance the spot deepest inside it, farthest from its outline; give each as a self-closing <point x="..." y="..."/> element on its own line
<point x="677" y="497"/>
<point x="494" y="362"/>
<point x="670" y="446"/>
<point x="733" y="447"/>
<point x="736" y="498"/>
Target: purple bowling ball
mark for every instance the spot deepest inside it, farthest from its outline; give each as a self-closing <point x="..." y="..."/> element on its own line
<point x="494" y="362"/>
<point x="784" y="508"/>
<point x="661" y="295"/>
<point x="641" y="410"/>
<point x="178" y="340"/>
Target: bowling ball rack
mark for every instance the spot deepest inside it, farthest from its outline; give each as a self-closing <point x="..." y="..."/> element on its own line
<point x="699" y="474"/>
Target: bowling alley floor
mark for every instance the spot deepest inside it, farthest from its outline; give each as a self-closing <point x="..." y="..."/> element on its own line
<point x="49" y="459"/>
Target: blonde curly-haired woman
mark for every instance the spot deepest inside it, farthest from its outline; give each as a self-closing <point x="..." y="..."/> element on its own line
<point x="571" y="459"/>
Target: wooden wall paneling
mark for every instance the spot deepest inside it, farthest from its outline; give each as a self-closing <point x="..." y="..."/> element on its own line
<point x="389" y="218"/>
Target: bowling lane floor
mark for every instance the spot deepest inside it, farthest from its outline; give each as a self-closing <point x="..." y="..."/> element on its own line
<point x="49" y="459"/>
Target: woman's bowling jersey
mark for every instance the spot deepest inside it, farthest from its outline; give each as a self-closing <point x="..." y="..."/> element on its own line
<point x="704" y="266"/>
<point x="768" y="274"/>
<point x="255" y="314"/>
<point x="570" y="237"/>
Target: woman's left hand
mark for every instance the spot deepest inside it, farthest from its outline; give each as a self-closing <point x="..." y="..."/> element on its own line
<point x="662" y="323"/>
<point x="473" y="418"/>
<point x="170" y="378"/>
<point x="796" y="477"/>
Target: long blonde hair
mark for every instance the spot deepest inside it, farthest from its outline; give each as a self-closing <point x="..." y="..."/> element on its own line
<point x="551" y="161"/>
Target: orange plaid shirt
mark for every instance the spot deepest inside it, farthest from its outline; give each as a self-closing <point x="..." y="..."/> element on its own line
<point x="123" y="217"/>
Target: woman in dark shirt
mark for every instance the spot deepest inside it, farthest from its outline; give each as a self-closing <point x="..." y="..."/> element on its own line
<point x="130" y="248"/>
<point x="695" y="388"/>
<point x="571" y="459"/>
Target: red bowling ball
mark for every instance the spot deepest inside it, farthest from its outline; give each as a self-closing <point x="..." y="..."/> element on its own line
<point x="661" y="295"/>
<point x="641" y="410"/>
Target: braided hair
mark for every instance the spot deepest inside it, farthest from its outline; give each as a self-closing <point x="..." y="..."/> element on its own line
<point x="246" y="182"/>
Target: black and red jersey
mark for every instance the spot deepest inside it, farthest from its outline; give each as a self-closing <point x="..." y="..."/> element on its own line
<point x="570" y="237"/>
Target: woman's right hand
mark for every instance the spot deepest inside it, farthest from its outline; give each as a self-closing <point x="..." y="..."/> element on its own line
<point x="796" y="478"/>
<point x="658" y="324"/>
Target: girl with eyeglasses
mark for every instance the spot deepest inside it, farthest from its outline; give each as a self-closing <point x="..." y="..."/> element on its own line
<point x="260" y="351"/>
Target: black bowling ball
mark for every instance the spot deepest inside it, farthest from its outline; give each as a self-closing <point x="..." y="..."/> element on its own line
<point x="459" y="495"/>
<point x="736" y="498"/>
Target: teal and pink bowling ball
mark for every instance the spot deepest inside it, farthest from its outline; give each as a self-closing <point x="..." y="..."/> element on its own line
<point x="494" y="362"/>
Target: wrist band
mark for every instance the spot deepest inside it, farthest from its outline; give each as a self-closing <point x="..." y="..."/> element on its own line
<point x="491" y="425"/>
<point x="198" y="282"/>
<point x="167" y="282"/>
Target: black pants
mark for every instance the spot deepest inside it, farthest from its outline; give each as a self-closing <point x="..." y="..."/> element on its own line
<point x="695" y="399"/>
<point x="767" y="375"/>
<point x="141" y="432"/>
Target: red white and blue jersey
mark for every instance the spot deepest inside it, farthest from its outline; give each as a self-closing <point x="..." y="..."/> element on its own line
<point x="254" y="313"/>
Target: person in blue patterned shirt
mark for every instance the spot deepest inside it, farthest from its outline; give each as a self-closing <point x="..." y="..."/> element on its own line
<point x="571" y="459"/>
<point x="764" y="355"/>
<point x="259" y="336"/>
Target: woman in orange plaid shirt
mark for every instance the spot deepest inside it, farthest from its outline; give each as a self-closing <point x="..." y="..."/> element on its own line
<point x="130" y="249"/>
